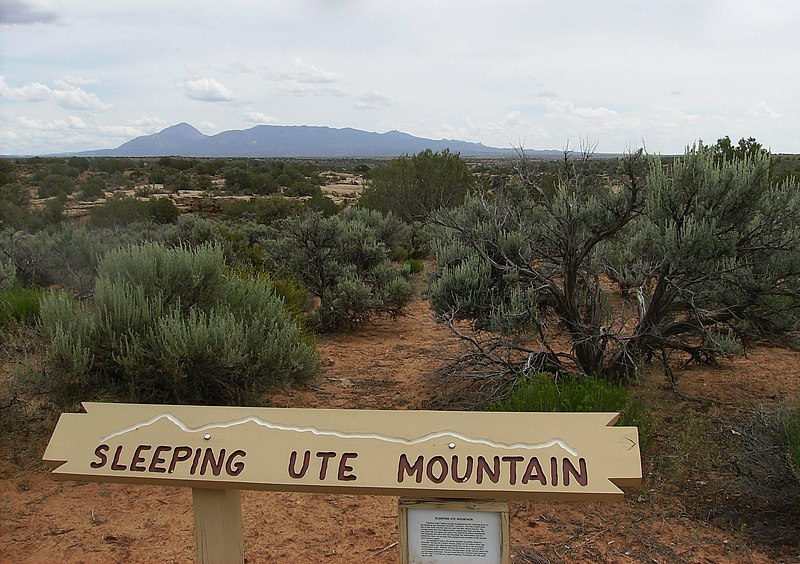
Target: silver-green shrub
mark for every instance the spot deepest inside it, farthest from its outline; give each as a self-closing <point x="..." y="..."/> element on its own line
<point x="701" y="248"/>
<point x="8" y="275"/>
<point x="342" y="261"/>
<point x="173" y="325"/>
<point x="66" y="256"/>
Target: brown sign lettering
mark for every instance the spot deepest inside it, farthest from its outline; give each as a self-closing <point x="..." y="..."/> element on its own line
<point x="425" y="454"/>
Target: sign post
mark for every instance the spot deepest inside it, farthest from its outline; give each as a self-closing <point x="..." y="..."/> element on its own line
<point x="422" y="454"/>
<point x="218" y="525"/>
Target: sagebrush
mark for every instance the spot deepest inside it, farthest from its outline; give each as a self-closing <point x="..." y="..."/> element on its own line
<point x="173" y="325"/>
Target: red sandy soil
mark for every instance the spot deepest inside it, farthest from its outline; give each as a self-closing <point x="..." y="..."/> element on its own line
<point x="384" y="366"/>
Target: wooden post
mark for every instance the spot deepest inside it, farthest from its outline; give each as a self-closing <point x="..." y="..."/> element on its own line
<point x="218" y="526"/>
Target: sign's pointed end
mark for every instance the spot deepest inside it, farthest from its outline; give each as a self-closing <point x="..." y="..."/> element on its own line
<point x="53" y="464"/>
<point x="633" y="482"/>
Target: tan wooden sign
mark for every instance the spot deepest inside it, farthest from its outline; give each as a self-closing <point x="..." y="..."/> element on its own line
<point x="420" y="453"/>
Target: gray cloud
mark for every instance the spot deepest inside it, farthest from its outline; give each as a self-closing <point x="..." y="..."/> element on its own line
<point x="259" y="118"/>
<point x="520" y="71"/>
<point x="372" y="101"/>
<point x="19" y="12"/>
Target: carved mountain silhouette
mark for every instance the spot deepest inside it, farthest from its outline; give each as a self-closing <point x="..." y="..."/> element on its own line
<point x="292" y="141"/>
<point x="253" y="420"/>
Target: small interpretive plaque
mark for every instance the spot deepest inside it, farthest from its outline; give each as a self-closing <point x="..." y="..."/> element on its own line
<point x="471" y="536"/>
<point x="449" y="532"/>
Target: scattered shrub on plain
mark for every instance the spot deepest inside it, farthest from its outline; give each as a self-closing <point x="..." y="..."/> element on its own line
<point x="414" y="187"/>
<point x="341" y="261"/>
<point x="698" y="242"/>
<point x="122" y="210"/>
<point x="262" y="210"/>
<point x="172" y="325"/>
<point x="66" y="256"/>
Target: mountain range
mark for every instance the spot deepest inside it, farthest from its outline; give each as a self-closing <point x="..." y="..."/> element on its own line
<point x="292" y="141"/>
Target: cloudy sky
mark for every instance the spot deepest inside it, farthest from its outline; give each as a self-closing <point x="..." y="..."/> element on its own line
<point x="90" y="74"/>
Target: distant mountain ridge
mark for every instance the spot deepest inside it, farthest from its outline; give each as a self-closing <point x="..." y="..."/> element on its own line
<point x="292" y="141"/>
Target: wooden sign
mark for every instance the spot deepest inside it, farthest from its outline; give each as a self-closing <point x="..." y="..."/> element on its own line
<point x="565" y="456"/>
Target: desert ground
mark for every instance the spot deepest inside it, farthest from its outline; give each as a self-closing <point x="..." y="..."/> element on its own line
<point x="695" y="504"/>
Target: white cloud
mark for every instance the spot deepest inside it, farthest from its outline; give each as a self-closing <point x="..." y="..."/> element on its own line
<point x="762" y="110"/>
<point x="207" y="90"/>
<point x="122" y="132"/>
<point x="148" y="122"/>
<point x="512" y="119"/>
<point x="494" y="73"/>
<point x="78" y="99"/>
<point x="20" y="12"/>
<point x="300" y="90"/>
<point x="31" y="92"/>
<point x="566" y="110"/>
<point x="512" y="130"/>
<point x="305" y="79"/>
<point x="372" y="100"/>
<point x="33" y="124"/>
<point x="71" y="81"/>
<point x="66" y="93"/>
<point x="306" y="73"/>
<point x="258" y="117"/>
<point x="236" y="67"/>
<point x="32" y="135"/>
<point x="667" y="118"/>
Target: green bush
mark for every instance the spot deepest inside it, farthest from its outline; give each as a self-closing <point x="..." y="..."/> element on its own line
<point x="388" y="228"/>
<point x="173" y="275"/>
<point x="262" y="210"/>
<point x="723" y="343"/>
<point x="172" y="325"/>
<point x="15" y="193"/>
<point x="93" y="188"/>
<point x="66" y="256"/>
<point x="119" y="211"/>
<point x="414" y="187"/>
<point x="415" y="266"/>
<point x="341" y="261"/>
<point x="577" y="394"/>
<point x="791" y="429"/>
<point x="321" y="204"/>
<point x="8" y="274"/>
<point x="20" y="304"/>
<point x="294" y="296"/>
<point x="56" y="185"/>
<point x="302" y="188"/>
<point x="162" y="210"/>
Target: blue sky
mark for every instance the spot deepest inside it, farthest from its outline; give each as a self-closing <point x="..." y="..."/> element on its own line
<point x="87" y="74"/>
